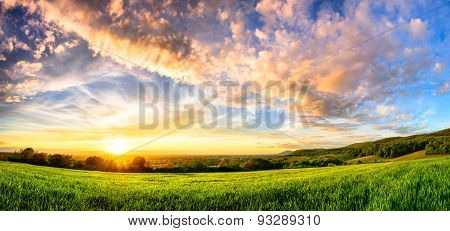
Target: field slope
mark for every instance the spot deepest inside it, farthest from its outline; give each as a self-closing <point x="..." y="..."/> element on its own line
<point x="403" y="185"/>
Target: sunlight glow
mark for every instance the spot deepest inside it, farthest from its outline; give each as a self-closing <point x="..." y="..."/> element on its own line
<point x="117" y="146"/>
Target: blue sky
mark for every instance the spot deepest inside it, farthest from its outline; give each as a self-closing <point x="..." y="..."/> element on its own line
<point x="69" y="72"/>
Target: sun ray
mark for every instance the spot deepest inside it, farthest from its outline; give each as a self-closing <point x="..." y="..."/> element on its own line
<point x="117" y="146"/>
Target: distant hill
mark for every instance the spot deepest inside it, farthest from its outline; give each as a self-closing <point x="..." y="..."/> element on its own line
<point x="285" y="153"/>
<point x="433" y="143"/>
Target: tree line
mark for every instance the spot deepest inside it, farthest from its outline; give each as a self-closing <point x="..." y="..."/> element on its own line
<point x="388" y="148"/>
<point x="438" y="146"/>
<point x="29" y="156"/>
<point x="138" y="164"/>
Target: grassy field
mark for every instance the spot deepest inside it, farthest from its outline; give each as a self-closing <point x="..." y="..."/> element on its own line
<point x="418" y="155"/>
<point x="403" y="185"/>
<point x="367" y="159"/>
<point x="412" y="156"/>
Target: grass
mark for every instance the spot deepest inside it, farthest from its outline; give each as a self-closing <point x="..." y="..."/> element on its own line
<point x="403" y="185"/>
<point x="417" y="155"/>
<point x="367" y="159"/>
<point x="412" y="156"/>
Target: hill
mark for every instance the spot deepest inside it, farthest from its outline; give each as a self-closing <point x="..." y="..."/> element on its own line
<point x="433" y="143"/>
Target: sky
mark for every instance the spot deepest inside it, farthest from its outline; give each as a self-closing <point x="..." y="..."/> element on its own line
<point x="354" y="71"/>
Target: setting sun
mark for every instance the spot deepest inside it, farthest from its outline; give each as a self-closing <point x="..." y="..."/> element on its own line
<point x="212" y="107"/>
<point x="117" y="146"/>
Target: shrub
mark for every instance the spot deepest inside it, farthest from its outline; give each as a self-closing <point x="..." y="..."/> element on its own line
<point x="305" y="163"/>
<point x="39" y="159"/>
<point x="4" y="156"/>
<point x="94" y="163"/>
<point x="27" y="154"/>
<point x="226" y="164"/>
<point x="78" y="164"/>
<point x="110" y="166"/>
<point x="325" y="161"/>
<point x="138" y="164"/>
<point x="60" y="161"/>
<point x="24" y="156"/>
<point x="259" y="164"/>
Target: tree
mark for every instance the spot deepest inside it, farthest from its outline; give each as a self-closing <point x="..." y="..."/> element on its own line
<point x="257" y="164"/>
<point x="94" y="163"/>
<point x="60" y="161"/>
<point x="110" y="166"/>
<point x="438" y="146"/>
<point x="138" y="164"/>
<point x="39" y="159"/>
<point x="79" y="164"/>
<point x="196" y="166"/>
<point x="26" y="155"/>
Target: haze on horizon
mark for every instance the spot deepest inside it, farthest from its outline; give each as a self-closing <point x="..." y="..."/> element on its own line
<point x="69" y="72"/>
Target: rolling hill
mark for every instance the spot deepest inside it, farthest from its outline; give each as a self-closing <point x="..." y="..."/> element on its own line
<point x="389" y="147"/>
<point x="402" y="185"/>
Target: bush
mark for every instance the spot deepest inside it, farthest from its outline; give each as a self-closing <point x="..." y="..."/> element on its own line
<point x="259" y="164"/>
<point x="325" y="161"/>
<point x="78" y="164"/>
<point x="15" y="157"/>
<point x="4" y="156"/>
<point x="227" y="165"/>
<point x="27" y="154"/>
<point x="110" y="166"/>
<point x="138" y="164"/>
<point x="197" y="166"/>
<point x="39" y="159"/>
<point x="305" y="163"/>
<point x="94" y="163"/>
<point x="60" y="161"/>
<point x="24" y="156"/>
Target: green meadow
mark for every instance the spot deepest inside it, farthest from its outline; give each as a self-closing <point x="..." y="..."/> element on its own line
<point x="402" y="185"/>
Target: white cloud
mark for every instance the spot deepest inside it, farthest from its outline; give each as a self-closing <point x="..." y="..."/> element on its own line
<point x="438" y="67"/>
<point x="24" y="68"/>
<point x="385" y="111"/>
<point x="13" y="99"/>
<point x="418" y="28"/>
<point x="116" y="7"/>
<point x="59" y="49"/>
<point x="444" y="88"/>
<point x="223" y="15"/>
<point x="214" y="38"/>
<point x="260" y="35"/>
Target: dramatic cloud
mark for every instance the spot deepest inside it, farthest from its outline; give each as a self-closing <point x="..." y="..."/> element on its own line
<point x="361" y="59"/>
